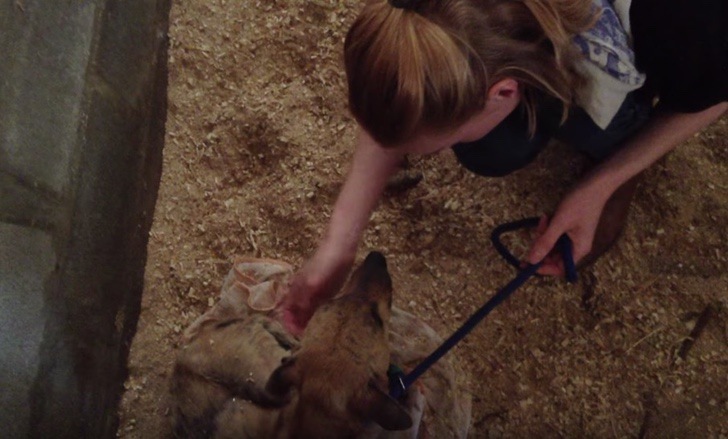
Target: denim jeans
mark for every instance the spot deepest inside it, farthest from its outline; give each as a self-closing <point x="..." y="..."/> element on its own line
<point x="509" y="146"/>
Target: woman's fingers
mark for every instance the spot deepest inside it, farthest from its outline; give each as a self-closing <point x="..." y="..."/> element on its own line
<point x="544" y="243"/>
<point x="553" y="265"/>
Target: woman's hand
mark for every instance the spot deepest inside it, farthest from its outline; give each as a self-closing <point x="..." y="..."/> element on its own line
<point x="321" y="276"/>
<point x="577" y="216"/>
<point x="591" y="223"/>
<point x="318" y="280"/>
<point x="588" y="213"/>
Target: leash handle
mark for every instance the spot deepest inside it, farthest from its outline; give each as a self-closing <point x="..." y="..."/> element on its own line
<point x="399" y="382"/>
<point x="563" y="244"/>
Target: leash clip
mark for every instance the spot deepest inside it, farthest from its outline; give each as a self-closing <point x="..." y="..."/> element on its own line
<point x="397" y="388"/>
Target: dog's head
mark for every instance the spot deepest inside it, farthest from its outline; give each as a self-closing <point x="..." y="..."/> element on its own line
<point x="337" y="381"/>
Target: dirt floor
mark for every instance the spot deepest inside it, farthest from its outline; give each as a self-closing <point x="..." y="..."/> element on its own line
<point x="258" y="142"/>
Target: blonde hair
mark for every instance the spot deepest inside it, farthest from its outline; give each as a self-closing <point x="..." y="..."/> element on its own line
<point x="430" y="65"/>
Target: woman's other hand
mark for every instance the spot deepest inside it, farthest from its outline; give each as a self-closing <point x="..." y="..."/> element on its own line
<point x="591" y="223"/>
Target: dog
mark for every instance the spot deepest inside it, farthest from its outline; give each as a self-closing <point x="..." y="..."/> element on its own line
<point x="331" y="384"/>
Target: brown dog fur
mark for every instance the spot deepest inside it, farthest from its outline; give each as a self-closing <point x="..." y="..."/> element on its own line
<point x="332" y="386"/>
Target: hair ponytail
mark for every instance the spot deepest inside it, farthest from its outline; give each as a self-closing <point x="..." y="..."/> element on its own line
<point x="405" y="71"/>
<point x="430" y="64"/>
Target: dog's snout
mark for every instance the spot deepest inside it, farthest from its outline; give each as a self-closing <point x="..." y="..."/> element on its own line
<point x="375" y="260"/>
<point x="374" y="270"/>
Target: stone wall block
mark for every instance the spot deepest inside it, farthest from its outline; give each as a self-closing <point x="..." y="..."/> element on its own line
<point x="82" y="112"/>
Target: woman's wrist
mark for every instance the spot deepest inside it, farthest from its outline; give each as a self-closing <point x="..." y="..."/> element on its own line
<point x="602" y="182"/>
<point x="337" y="250"/>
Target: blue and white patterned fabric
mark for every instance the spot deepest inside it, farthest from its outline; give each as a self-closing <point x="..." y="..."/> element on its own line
<point x="609" y="61"/>
<point x="607" y="45"/>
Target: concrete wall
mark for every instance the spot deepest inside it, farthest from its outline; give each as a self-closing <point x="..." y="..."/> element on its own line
<point x="82" y="111"/>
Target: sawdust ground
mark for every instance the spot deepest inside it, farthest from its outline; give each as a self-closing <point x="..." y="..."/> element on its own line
<point x="258" y="141"/>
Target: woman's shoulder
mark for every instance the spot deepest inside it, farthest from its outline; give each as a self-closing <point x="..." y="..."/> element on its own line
<point x="677" y="20"/>
<point x="682" y="45"/>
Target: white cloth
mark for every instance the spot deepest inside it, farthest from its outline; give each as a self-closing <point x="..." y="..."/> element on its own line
<point x="608" y="62"/>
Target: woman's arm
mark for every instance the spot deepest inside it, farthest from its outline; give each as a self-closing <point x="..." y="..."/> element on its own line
<point x="578" y="213"/>
<point x="371" y="168"/>
<point x="324" y="273"/>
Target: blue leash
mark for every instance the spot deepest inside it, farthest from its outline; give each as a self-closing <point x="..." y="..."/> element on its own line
<point x="399" y="382"/>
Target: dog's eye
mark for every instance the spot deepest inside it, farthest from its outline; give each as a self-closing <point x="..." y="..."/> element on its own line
<point x="227" y="323"/>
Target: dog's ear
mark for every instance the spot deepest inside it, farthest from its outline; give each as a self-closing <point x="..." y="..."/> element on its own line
<point x="283" y="378"/>
<point x="381" y="408"/>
